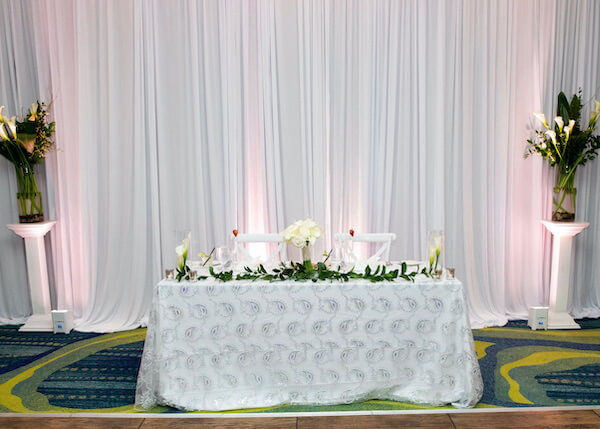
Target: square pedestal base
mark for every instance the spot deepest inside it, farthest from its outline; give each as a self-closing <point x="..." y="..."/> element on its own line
<point x="561" y="321"/>
<point x="38" y="323"/>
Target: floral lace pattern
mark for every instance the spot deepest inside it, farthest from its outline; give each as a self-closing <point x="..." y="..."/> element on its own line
<point x="215" y="346"/>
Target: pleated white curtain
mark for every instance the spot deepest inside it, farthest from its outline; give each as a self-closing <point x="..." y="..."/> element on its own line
<point x="399" y="116"/>
<point x="18" y="87"/>
<point x="577" y="66"/>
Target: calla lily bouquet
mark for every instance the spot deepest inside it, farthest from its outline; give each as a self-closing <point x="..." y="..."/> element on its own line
<point x="183" y="271"/>
<point x="303" y="234"/>
<point x="25" y="143"/>
<point x="566" y="146"/>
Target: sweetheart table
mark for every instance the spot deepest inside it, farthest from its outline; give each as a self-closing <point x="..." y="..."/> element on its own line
<point x="219" y="346"/>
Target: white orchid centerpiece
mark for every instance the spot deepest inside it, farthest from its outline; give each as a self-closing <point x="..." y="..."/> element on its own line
<point x="182" y="251"/>
<point x="303" y="234"/>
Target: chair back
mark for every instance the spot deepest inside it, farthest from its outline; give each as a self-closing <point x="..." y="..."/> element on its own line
<point x="384" y="238"/>
<point x="242" y="253"/>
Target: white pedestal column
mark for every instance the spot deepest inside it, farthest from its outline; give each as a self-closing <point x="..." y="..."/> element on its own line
<point x="37" y="271"/>
<point x="560" y="279"/>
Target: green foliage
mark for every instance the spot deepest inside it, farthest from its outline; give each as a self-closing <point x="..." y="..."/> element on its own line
<point x="33" y="140"/>
<point x="183" y="273"/>
<point x="299" y="272"/>
<point x="567" y="146"/>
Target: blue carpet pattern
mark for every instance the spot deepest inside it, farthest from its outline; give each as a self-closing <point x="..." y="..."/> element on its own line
<point x="79" y="372"/>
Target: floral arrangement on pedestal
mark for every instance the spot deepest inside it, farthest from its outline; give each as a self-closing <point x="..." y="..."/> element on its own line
<point x="25" y="143"/>
<point x="566" y="146"/>
<point x="303" y="234"/>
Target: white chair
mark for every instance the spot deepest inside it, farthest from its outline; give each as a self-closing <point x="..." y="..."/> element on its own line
<point x="242" y="253"/>
<point x="383" y="252"/>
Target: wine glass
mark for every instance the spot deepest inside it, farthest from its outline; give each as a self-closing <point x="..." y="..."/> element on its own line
<point x="337" y="258"/>
<point x="222" y="259"/>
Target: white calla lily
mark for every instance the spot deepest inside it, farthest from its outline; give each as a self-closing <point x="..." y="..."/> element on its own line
<point x="542" y="118"/>
<point x="437" y="242"/>
<point x="179" y="250"/>
<point x="559" y="121"/>
<point x="11" y="127"/>
<point x="3" y="134"/>
<point x="594" y="115"/>
<point x="568" y="129"/>
<point x="552" y="135"/>
<point x="1" y="109"/>
<point x="432" y="253"/>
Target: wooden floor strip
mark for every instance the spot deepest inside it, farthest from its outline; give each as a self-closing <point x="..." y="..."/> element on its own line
<point x="486" y="420"/>
<point x="534" y="419"/>
<point x="377" y="422"/>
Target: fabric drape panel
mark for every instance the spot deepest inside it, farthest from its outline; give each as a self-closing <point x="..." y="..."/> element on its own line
<point x="206" y="116"/>
<point x="18" y="88"/>
<point x="577" y="66"/>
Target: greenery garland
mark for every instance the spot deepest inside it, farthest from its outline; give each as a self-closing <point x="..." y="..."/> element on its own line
<point x="300" y="273"/>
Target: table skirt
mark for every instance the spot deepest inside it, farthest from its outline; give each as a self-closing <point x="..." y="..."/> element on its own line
<point x="221" y="346"/>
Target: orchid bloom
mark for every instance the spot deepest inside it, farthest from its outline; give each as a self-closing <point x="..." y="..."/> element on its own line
<point x="542" y="118"/>
<point x="33" y="112"/>
<point x="559" y="121"/>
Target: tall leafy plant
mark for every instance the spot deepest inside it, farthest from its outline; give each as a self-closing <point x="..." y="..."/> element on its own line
<point x="566" y="146"/>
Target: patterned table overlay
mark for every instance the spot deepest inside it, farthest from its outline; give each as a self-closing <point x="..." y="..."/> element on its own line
<point x="220" y="346"/>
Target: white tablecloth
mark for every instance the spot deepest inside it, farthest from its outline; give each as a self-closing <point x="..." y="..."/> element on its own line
<point x="219" y="346"/>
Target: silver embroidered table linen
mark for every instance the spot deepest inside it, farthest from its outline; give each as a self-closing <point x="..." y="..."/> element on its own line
<point x="220" y="346"/>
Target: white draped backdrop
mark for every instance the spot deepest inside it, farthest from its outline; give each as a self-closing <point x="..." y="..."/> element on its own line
<point x="399" y="116"/>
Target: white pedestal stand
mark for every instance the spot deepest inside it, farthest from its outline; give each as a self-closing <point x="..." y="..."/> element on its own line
<point x="562" y="245"/>
<point x="33" y="233"/>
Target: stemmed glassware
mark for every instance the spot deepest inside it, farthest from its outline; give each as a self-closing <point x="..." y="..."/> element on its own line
<point x="222" y="259"/>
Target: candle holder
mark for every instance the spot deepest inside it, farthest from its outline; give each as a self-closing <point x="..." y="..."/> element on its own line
<point x="170" y="274"/>
<point x="450" y="273"/>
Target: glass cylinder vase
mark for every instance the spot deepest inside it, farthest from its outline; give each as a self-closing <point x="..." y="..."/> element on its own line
<point x="564" y="195"/>
<point x="306" y="259"/>
<point x="435" y="253"/>
<point x="29" y="197"/>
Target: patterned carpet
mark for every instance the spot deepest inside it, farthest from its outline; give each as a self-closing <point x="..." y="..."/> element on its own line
<point x="79" y="372"/>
